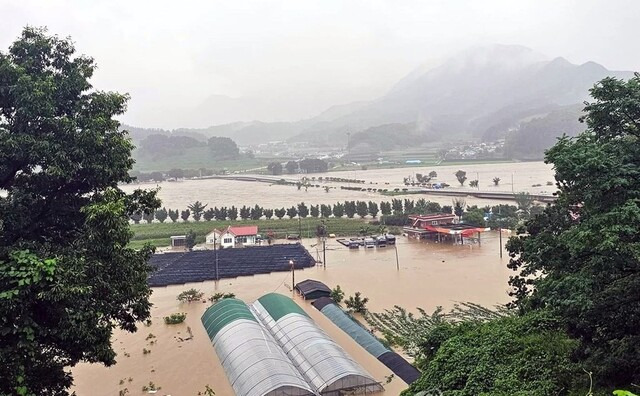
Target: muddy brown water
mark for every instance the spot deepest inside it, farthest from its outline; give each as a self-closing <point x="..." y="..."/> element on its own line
<point x="216" y="192"/>
<point x="429" y="275"/>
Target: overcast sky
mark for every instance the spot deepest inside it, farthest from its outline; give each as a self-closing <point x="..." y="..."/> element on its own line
<point x="291" y="59"/>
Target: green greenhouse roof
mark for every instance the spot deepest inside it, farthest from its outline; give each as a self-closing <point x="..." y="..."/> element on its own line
<point x="228" y="310"/>
<point x="278" y="305"/>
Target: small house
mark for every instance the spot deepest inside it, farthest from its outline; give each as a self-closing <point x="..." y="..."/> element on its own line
<point x="312" y="289"/>
<point x="232" y="236"/>
<point x="179" y="242"/>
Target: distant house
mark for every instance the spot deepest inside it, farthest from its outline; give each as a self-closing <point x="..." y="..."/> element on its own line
<point x="179" y="242"/>
<point x="232" y="236"/>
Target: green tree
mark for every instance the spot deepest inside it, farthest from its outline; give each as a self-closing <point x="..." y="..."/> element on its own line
<point x="447" y="209"/>
<point x="337" y="294"/>
<point x="275" y="168"/>
<point x="474" y="217"/>
<point x="396" y="204"/>
<point x="461" y="176"/>
<point x="350" y="208"/>
<point x="209" y="214"/>
<point x="161" y="215"/>
<point x="473" y="183"/>
<point x="292" y="167"/>
<point x="385" y="208"/>
<point x="174" y="215"/>
<point x="233" y="213"/>
<point x="496" y="181"/>
<point x="256" y="212"/>
<point x="280" y="213"/>
<point x="292" y="212"/>
<point x="357" y="303"/>
<point x="197" y="208"/>
<point x="223" y="148"/>
<point x="67" y="277"/>
<point x="190" y="295"/>
<point x="190" y="240"/>
<point x="433" y="174"/>
<point x="373" y="209"/>
<point x="136" y="217"/>
<point x="338" y="210"/>
<point x="314" y="210"/>
<point x="245" y="212"/>
<point x="362" y="209"/>
<point x="185" y="215"/>
<point x="524" y="201"/>
<point x="409" y="205"/>
<point x="459" y="204"/>
<point x="176" y="173"/>
<point x="303" y="210"/>
<point x="325" y="211"/>
<point x="148" y="216"/>
<point x="268" y="213"/>
<point x="586" y="244"/>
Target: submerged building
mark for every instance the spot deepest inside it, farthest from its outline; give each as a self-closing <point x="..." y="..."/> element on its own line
<point x="274" y="348"/>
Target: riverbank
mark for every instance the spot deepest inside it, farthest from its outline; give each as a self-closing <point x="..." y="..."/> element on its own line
<point x="157" y="234"/>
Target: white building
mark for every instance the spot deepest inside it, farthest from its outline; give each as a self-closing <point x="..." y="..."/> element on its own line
<point x="232" y="236"/>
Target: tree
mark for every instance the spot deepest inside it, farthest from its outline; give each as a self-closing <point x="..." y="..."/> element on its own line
<point x="447" y="209"/>
<point x="280" y="213"/>
<point x="325" y="211"/>
<point x="161" y="215"/>
<point x="209" y="214"/>
<point x="474" y="217"/>
<point x="313" y="165"/>
<point x="496" y="181"/>
<point x="148" y="216"/>
<point x="461" y="176"/>
<point x="362" y="209"/>
<point x="185" y="215"/>
<point x="396" y="204"/>
<point x="350" y="208"/>
<point x="176" y="173"/>
<point x="197" y="208"/>
<point x="459" y="204"/>
<point x="174" y="215"/>
<point x="473" y="183"/>
<point x="385" y="208"/>
<point x="337" y="294"/>
<point x="338" y="210"/>
<point x="357" y="303"/>
<point x="223" y="148"/>
<point x="190" y="295"/>
<point x="586" y="243"/>
<point x="314" y="210"/>
<point x="373" y="209"/>
<point x="256" y="212"/>
<point x="409" y="205"/>
<point x="303" y="210"/>
<point x="524" y="201"/>
<point x="292" y="212"/>
<point x="190" y="240"/>
<point x="245" y="212"/>
<point x="67" y="277"/>
<point x="233" y="213"/>
<point x="268" y="213"/>
<point x="292" y="167"/>
<point x="433" y="174"/>
<point x="275" y="168"/>
<point x="136" y="217"/>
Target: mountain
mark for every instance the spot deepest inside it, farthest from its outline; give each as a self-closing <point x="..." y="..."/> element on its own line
<point x="480" y="93"/>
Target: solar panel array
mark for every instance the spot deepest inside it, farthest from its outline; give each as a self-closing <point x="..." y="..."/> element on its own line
<point x="199" y="266"/>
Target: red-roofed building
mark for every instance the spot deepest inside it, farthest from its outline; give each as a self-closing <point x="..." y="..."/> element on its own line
<point x="232" y="236"/>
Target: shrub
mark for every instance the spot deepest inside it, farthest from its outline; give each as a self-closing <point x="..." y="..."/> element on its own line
<point x="356" y="303"/>
<point x="175" y="318"/>
<point x="190" y="295"/>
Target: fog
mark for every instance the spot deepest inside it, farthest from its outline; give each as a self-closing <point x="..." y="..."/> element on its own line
<point x="198" y="63"/>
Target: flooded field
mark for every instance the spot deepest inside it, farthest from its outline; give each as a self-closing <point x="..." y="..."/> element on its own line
<point x="217" y="192"/>
<point x="429" y="275"/>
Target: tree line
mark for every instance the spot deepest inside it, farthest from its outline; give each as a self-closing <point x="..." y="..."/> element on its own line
<point x="307" y="165"/>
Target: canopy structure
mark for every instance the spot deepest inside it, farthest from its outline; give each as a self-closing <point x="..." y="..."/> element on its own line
<point x="312" y="289"/>
<point x="324" y="364"/>
<point x="368" y="341"/>
<point x="251" y="358"/>
<point x="456" y="229"/>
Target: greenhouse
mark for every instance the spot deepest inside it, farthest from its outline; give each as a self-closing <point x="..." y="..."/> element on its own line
<point x="252" y="360"/>
<point x="323" y="363"/>
<point x="368" y="341"/>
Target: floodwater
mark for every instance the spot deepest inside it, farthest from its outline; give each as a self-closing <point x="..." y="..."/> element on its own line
<point x="429" y="275"/>
<point x="216" y="192"/>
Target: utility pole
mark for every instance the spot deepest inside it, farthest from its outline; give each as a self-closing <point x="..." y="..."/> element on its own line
<point x="215" y="253"/>
<point x="512" y="188"/>
<point x="293" y="275"/>
<point x="324" y="251"/>
<point x="395" y="245"/>
<point x="478" y="179"/>
<point x="500" y="231"/>
<point x="299" y="227"/>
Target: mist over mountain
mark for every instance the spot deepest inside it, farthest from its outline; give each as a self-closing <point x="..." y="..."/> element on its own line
<point x="480" y="93"/>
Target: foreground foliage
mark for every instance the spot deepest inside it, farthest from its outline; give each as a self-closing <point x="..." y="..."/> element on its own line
<point x="67" y="277"/>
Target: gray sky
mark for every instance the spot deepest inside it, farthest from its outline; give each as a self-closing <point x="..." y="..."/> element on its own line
<point x="286" y="60"/>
